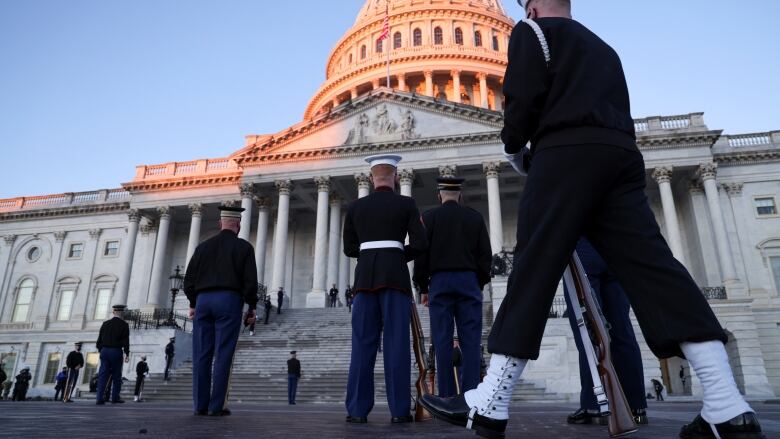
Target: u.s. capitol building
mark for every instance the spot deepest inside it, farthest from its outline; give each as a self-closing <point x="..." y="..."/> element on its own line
<point x="65" y="258"/>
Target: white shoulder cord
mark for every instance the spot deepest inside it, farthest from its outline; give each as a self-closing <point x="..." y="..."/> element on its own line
<point x="542" y="40"/>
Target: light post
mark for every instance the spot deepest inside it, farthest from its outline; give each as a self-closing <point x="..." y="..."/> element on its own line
<point x="177" y="282"/>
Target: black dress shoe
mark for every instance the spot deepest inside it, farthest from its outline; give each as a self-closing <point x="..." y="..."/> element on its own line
<point x="744" y="426"/>
<point x="223" y="412"/>
<point x="100" y="403"/>
<point x="402" y="419"/>
<point x="356" y="419"/>
<point x="581" y="417"/>
<point x="640" y="416"/>
<point x="118" y="401"/>
<point x="455" y="411"/>
<point x="201" y="412"/>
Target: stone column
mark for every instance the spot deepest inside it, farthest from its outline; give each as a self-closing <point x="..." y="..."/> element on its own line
<point x="401" y="81"/>
<point x="407" y="178"/>
<point x="247" y="199"/>
<point x="456" y="86"/>
<point x="261" y="242"/>
<point x="353" y="93"/>
<point x="428" y="83"/>
<point x="196" y="211"/>
<point x="708" y="172"/>
<point x="5" y="269"/>
<point x="734" y="191"/>
<point x="483" y="91"/>
<point x="491" y="170"/>
<point x="156" y="297"/>
<point x="280" y="235"/>
<point x="334" y="238"/>
<point x="134" y="218"/>
<point x="374" y="84"/>
<point x="364" y="184"/>
<point x="316" y="299"/>
<point x="663" y="176"/>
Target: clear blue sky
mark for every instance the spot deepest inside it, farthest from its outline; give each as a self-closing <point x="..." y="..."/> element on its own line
<point x="91" y="88"/>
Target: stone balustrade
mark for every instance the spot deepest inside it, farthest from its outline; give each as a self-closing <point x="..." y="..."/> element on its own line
<point x="190" y="168"/>
<point x="64" y="200"/>
<point x="753" y="139"/>
<point x="678" y="122"/>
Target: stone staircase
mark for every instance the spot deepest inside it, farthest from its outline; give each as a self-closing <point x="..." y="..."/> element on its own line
<point x="322" y="338"/>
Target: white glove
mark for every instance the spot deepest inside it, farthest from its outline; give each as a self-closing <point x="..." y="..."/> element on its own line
<point x="517" y="160"/>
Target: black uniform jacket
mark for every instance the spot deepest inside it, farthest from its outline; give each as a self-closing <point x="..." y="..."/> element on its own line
<point x="223" y="263"/>
<point x="458" y="240"/>
<point x="74" y="359"/>
<point x="383" y="216"/>
<point x="170" y="349"/>
<point x="580" y="98"/>
<point x="115" y="333"/>
<point x="141" y="368"/>
<point x="294" y="367"/>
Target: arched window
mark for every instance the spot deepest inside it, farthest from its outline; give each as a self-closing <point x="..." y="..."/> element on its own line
<point x="417" y="37"/>
<point x="379" y="46"/>
<point x="458" y="36"/>
<point x="24" y="297"/>
<point x="495" y="43"/>
<point x="478" y="39"/>
<point x="397" y="40"/>
<point x="363" y="52"/>
<point x="438" y="36"/>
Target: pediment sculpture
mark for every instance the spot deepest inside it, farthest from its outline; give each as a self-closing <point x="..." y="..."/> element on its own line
<point x="383" y="127"/>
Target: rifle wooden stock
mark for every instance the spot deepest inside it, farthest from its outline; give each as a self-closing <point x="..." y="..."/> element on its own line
<point x="621" y="420"/>
<point x="421" y="384"/>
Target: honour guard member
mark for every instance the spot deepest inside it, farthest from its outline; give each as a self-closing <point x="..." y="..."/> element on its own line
<point x="221" y="277"/>
<point x="141" y="371"/>
<point x="170" y="351"/>
<point x="451" y="275"/>
<point x="74" y="361"/>
<point x="566" y="93"/>
<point x="374" y="232"/>
<point x="293" y="375"/>
<point x="113" y="339"/>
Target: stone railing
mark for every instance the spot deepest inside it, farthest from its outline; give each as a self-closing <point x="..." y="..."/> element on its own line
<point x="64" y="200"/>
<point x="753" y="139"/>
<point x="679" y="122"/>
<point x="178" y="169"/>
<point x="714" y="293"/>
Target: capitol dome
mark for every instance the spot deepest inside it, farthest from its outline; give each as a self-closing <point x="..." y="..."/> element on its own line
<point x="448" y="49"/>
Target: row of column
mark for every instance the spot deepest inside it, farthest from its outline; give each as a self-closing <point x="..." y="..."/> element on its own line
<point x="430" y="89"/>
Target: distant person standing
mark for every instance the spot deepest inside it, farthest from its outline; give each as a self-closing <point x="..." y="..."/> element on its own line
<point x="170" y="352"/>
<point x="141" y="371"/>
<point x="659" y="390"/>
<point x="457" y="362"/>
<point x="348" y="297"/>
<point x="293" y="375"/>
<point x="334" y="296"/>
<point x="279" y="300"/>
<point x="267" y="304"/>
<point x="113" y="339"/>
<point x="22" y="384"/>
<point x="74" y="362"/>
<point x="59" y="386"/>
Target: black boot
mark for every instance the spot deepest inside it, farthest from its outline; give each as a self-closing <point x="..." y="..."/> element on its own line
<point x="581" y="417"/>
<point x="455" y="411"/>
<point x="640" y="416"/>
<point x="744" y="426"/>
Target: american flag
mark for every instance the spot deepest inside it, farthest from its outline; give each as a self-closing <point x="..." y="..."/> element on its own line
<point x="385" y="28"/>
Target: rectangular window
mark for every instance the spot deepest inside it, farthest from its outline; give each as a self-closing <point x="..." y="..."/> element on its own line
<point x="66" y="304"/>
<point x="23" y="302"/>
<point x="774" y="263"/>
<point x="112" y="248"/>
<point x="76" y="250"/>
<point x="90" y="366"/>
<point x="766" y="206"/>
<point x="101" y="304"/>
<point x="52" y="367"/>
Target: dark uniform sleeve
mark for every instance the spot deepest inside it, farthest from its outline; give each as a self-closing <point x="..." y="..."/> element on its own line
<point x="418" y="241"/>
<point x="80" y="360"/>
<point x="484" y="256"/>
<point x="422" y="274"/>
<point x="99" y="343"/>
<point x="125" y="337"/>
<point x="189" y="277"/>
<point x="525" y="88"/>
<point x="250" y="279"/>
<point x="351" y="240"/>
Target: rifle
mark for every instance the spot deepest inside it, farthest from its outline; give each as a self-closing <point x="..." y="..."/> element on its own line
<point x="592" y="328"/>
<point x="418" y="343"/>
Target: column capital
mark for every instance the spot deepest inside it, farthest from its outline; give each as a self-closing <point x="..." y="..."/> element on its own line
<point x="733" y="188"/>
<point x="134" y="215"/>
<point x="455" y="72"/>
<point x="284" y="186"/>
<point x="95" y="233"/>
<point x="663" y="174"/>
<point x="335" y="199"/>
<point x="228" y="203"/>
<point x="482" y="76"/>
<point x="9" y="239"/>
<point x="428" y="73"/>
<point x="447" y="170"/>
<point x="164" y="211"/>
<point x="406" y="176"/>
<point x="247" y="190"/>
<point x="263" y="202"/>
<point x="695" y="187"/>
<point x="400" y="75"/>
<point x="708" y="171"/>
<point x="323" y="183"/>
<point x="491" y="169"/>
<point x="363" y="180"/>
<point x="60" y="235"/>
<point x="196" y="209"/>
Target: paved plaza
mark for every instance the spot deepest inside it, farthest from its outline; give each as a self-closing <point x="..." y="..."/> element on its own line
<point x="174" y="420"/>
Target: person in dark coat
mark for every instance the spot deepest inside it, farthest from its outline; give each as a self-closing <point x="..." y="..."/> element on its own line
<point x="267" y="304"/>
<point x="334" y="296"/>
<point x="659" y="390"/>
<point x="113" y="341"/>
<point x="279" y="300"/>
<point x="170" y="352"/>
<point x="221" y="278"/>
<point x="454" y="271"/>
<point x="566" y="93"/>
<point x="293" y="375"/>
<point x="348" y="298"/>
<point x="22" y="384"/>
<point x="74" y="361"/>
<point x="375" y="228"/>
<point x="457" y="364"/>
<point x="59" y="383"/>
<point x="141" y="372"/>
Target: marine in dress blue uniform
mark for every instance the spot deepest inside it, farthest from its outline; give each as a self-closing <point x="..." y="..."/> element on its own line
<point x="113" y="339"/>
<point x="221" y="277"/>
<point x="374" y="231"/>
<point x="626" y="355"/>
<point x="452" y="273"/>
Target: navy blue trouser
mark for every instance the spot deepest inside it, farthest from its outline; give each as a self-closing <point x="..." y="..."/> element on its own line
<point x="387" y="311"/>
<point x="455" y="300"/>
<point x="626" y="356"/>
<point x="292" y="387"/>
<point x="110" y="365"/>
<point x="215" y="333"/>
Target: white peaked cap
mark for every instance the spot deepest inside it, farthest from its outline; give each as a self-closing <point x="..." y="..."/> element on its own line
<point x="383" y="159"/>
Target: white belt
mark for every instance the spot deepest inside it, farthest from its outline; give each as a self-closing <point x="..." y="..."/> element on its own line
<point x="370" y="245"/>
